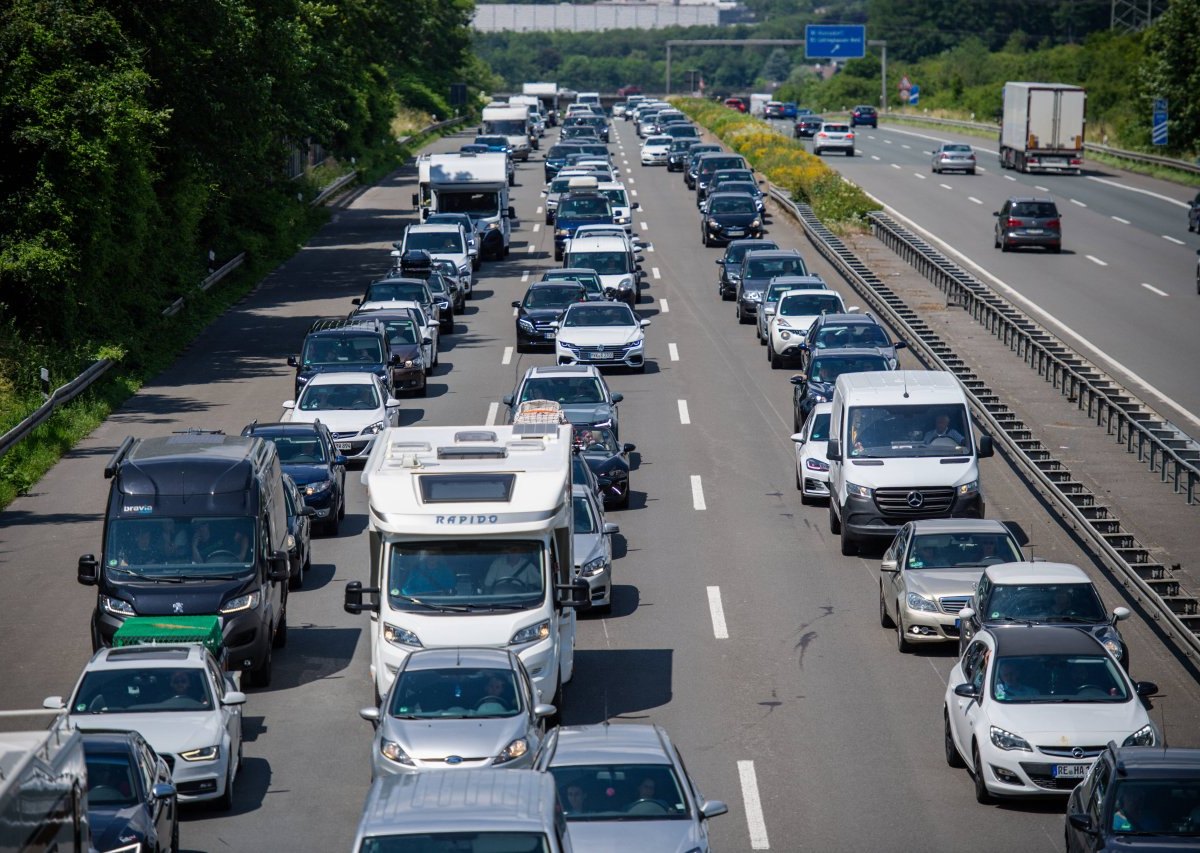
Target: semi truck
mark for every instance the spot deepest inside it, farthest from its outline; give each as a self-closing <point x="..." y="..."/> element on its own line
<point x="758" y="104"/>
<point x="547" y="93"/>
<point x="1042" y="127"/>
<point x="474" y="184"/>
<point x="43" y="784"/>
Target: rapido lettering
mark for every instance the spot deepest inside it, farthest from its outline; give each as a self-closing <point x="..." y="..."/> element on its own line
<point x="466" y="519"/>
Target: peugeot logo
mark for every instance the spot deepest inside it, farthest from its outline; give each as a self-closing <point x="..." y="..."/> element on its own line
<point x="454" y="759"/>
<point x="1077" y="752"/>
<point x="916" y="500"/>
<point x="177" y="607"/>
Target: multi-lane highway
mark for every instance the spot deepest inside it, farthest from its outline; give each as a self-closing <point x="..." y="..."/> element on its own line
<point x="736" y="622"/>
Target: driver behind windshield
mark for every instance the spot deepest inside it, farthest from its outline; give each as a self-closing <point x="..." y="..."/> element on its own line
<point x="943" y="430"/>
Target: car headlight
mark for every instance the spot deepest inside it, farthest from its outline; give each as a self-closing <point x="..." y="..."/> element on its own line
<point x="1142" y="737"/>
<point x="734" y="277"/>
<point x="785" y="335"/>
<point x="531" y="634"/>
<point x="116" y="606"/>
<point x="621" y="220"/>
<point x="205" y="753"/>
<point x="398" y="636"/>
<point x="859" y="491"/>
<point x="816" y="465"/>
<point x="525" y="325"/>
<point x="592" y="567"/>
<point x="561" y="232"/>
<point x="820" y="398"/>
<point x="133" y="847"/>
<point x="302" y="380"/>
<point x="755" y="223"/>
<point x="513" y="751"/>
<point x="391" y="750"/>
<point x="414" y="362"/>
<point x="1008" y="741"/>
<point x="920" y="602"/>
<point x="249" y="601"/>
<point x="969" y="488"/>
<point x="318" y="487"/>
<point x="373" y="429"/>
<point x="492" y="226"/>
<point x="1111" y="640"/>
<point x="464" y="269"/>
<point x="755" y="296"/>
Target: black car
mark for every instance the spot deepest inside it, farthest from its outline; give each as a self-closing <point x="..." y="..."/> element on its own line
<point x="597" y="124"/>
<point x="447" y="269"/>
<point x="723" y="176"/>
<point x="589" y="278"/>
<point x="543" y="306"/>
<point x="677" y="154"/>
<point x="729" y="216"/>
<point x="758" y="268"/>
<point x="853" y="331"/>
<point x="132" y="804"/>
<point x="580" y="133"/>
<point x="299" y="524"/>
<point x="693" y="161"/>
<point x="401" y="289"/>
<point x="1136" y="798"/>
<point x="864" y="116"/>
<point x="815" y="384"/>
<point x="556" y="157"/>
<point x="1028" y="222"/>
<point x="443" y="298"/>
<point x="730" y="264"/>
<point x="748" y="187"/>
<point x="709" y="165"/>
<point x="308" y="455"/>
<point x="1194" y="214"/>
<point x="806" y="127"/>
<point x="340" y="344"/>
<point x="609" y="461"/>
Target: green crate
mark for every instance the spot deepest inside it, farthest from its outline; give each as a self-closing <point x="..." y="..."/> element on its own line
<point x="142" y="630"/>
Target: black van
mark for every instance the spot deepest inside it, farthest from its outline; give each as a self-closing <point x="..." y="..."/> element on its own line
<point x="196" y="525"/>
<point x="344" y="344"/>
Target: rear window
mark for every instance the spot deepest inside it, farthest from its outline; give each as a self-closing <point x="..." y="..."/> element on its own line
<point x="836" y="128"/>
<point x="1038" y="209"/>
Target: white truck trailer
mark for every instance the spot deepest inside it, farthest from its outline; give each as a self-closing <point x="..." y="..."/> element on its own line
<point x="1042" y="127"/>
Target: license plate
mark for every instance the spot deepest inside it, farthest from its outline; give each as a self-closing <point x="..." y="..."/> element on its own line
<point x="735" y="232"/>
<point x="343" y="445"/>
<point x="1069" y="771"/>
<point x="604" y="354"/>
<point x="1033" y="230"/>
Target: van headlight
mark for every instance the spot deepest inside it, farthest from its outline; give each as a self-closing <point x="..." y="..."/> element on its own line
<point x="625" y="283"/>
<point x="1142" y="737"/>
<point x="1008" y="741"/>
<point x="970" y="488"/>
<point x="859" y="491"/>
<point x="492" y="226"/>
<point x="116" y="606"/>
<point x="249" y="601"/>
<point x="398" y="636"/>
<point x="531" y="634"/>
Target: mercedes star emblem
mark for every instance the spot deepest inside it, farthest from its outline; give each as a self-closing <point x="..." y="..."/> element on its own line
<point x="915" y="500"/>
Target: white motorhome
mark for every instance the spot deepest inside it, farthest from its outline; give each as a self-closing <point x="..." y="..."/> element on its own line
<point x="900" y="448"/>
<point x="536" y="114"/>
<point x="43" y="784"/>
<point x="474" y="184"/>
<point x="511" y="122"/>
<point x="470" y="531"/>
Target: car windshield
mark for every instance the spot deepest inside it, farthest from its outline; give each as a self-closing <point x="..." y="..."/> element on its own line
<point x="961" y="550"/>
<point x="713" y="164"/>
<point x="600" y="315"/>
<point x="1030" y="679"/>
<point x="343" y="349"/>
<point x="138" y="690"/>
<point x="168" y="547"/>
<point x="561" y="185"/>
<point x="455" y="693"/>
<point x="1035" y="209"/>
<point x="625" y="792"/>
<point x="471" y="575"/>
<point x="769" y="268"/>
<point x="401" y="331"/>
<point x="735" y="253"/>
<point x="435" y="242"/>
<point x="560" y="151"/>
<point x="110" y="780"/>
<point x="604" y="263"/>
<point x="596" y="440"/>
<point x="853" y="335"/>
<point x="616" y="197"/>
<point x="457" y="842"/>
<point x="566" y="390"/>
<point x="810" y="305"/>
<point x="897" y="431"/>
<point x="357" y="397"/>
<point x="1045" y="602"/>
<point x="474" y="204"/>
<point x="826" y="369"/>
<point x="299" y="449"/>
<point x="775" y="291"/>
<point x="726" y="175"/>
<point x="492" y="141"/>
<point x="836" y="128"/>
<point x="559" y="296"/>
<point x="820" y="427"/>
<point x="396" y="291"/>
<point x="736" y="204"/>
<point x="1156" y="806"/>
<point x="585" y="207"/>
<point x="658" y="141"/>
<point x="584" y="519"/>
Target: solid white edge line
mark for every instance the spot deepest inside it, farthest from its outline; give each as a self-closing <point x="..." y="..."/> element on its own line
<point x="698" y="503"/>
<point x="685" y="417"/>
<point x="1150" y="193"/>
<point x="654" y="272"/>
<point x="1154" y="289"/>
<point x="663" y="307"/>
<point x="1043" y="315"/>
<point x="717" y="610"/>
<point x="493" y="410"/>
<point x="507" y="357"/>
<point x="673" y="351"/>
<point x="753" y="805"/>
<point x="1096" y="260"/>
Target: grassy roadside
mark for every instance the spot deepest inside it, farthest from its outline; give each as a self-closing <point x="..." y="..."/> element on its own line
<point x="138" y="361"/>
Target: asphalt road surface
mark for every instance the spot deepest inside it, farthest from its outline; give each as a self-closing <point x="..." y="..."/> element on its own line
<point x="736" y="622"/>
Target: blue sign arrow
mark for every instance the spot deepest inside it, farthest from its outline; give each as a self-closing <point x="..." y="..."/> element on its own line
<point x="835" y="41"/>
<point x="914" y="95"/>
<point x="1158" y="128"/>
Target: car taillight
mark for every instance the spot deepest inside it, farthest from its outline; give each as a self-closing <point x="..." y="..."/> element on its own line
<point x="822" y="133"/>
<point x="1012" y="223"/>
<point x="1053" y="223"/>
<point x="970" y="156"/>
<point x="850" y="135"/>
<point x="1075" y="161"/>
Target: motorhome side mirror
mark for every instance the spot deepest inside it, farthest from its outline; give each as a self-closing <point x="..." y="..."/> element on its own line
<point x="986" y="449"/>
<point x="1082" y="822"/>
<point x="88" y="572"/>
<point x="581" y="597"/>
<point x="1119" y="614"/>
<point x="233" y="697"/>
<point x="966" y="691"/>
<point x="279" y="569"/>
<point x="353" y="601"/>
<point x="833" y="451"/>
<point x="293" y="361"/>
<point x="889" y="566"/>
<point x="416" y="200"/>
<point x="617" y="396"/>
<point x="162" y="791"/>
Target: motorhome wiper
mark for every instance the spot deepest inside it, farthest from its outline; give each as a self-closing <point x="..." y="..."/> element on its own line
<point x="445" y="608"/>
<point x="498" y="607"/>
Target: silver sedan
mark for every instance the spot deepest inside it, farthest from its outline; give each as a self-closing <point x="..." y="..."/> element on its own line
<point x="953" y="157"/>
<point x="450" y="708"/>
<point x="593" y="546"/>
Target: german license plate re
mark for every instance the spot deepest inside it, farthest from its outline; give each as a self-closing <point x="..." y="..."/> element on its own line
<point x="1069" y="771"/>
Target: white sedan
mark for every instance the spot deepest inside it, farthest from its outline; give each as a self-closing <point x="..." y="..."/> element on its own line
<point x="794" y="314"/>
<point x="601" y="333"/>
<point x="655" y="149"/>
<point x="812" y="466"/>
<point x="355" y="406"/>
<point x="1029" y="707"/>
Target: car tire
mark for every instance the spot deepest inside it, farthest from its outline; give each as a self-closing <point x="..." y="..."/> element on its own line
<point x="970" y="171"/>
<point x="776" y="359"/>
<point x="555" y="719"/>
<point x="849" y="152"/>
<point x="885" y="621"/>
<point x="903" y="646"/>
<point x="953" y="759"/>
<point x="1056" y="250"/>
<point x="982" y="795"/>
<point x="261" y="677"/>
<point x="280" y="639"/>
<point x="995" y="242"/>
<point x="849" y="544"/>
<point x="297" y="582"/>
<point x="1004" y="247"/>
<point x="225" y="801"/>
<point x="704" y="237"/>
<point x="933" y="169"/>
<point x="835" y="523"/>
<point x="521" y="348"/>
<point x="816" y="151"/>
<point x="175" y="828"/>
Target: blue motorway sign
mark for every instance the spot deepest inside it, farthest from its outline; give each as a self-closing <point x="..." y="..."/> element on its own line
<point x="1158" y="131"/>
<point x="914" y="95"/>
<point x="835" y="41"/>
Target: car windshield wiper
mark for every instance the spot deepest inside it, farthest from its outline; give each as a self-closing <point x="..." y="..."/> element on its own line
<point x="445" y="608"/>
<point x="1082" y="619"/>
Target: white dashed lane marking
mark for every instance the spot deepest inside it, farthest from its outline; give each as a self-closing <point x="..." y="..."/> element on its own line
<point x="753" y="804"/>
<point x="946" y="186"/>
<point x="507" y="357"/>
<point x="698" y="494"/>
<point x="918" y="175"/>
<point x="874" y="156"/>
<point x="1119" y="219"/>
<point x="974" y="200"/>
<point x="663" y="307"/>
<point x="654" y="272"/>
<point x="673" y="351"/>
<point x="685" y="416"/>
<point x="1077" y="202"/>
<point x="1154" y="289"/>
<point x="537" y="226"/>
<point x="1096" y="260"/>
<point x="717" y="610"/>
<point x="896" y="166"/>
<point x="493" y="410"/>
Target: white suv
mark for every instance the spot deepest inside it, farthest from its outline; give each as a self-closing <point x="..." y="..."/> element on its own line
<point x="447" y="241"/>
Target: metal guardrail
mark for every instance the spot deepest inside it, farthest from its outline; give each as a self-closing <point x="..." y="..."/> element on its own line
<point x="1120" y="153"/>
<point x="1148" y="582"/>
<point x="60" y="395"/>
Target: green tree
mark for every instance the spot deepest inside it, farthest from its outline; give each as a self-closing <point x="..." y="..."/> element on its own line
<point x="1170" y="71"/>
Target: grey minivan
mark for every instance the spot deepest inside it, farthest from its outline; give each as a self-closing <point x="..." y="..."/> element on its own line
<point x="1028" y="222"/>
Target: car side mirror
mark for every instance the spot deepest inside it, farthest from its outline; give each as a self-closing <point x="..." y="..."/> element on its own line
<point x="289" y="404"/>
<point x="899" y="345"/>
<point x="986" y="448"/>
<point x="233" y="697"/>
<point x="162" y="791"/>
<point x="354" y="301"/>
<point x="966" y="613"/>
<point x="307" y="511"/>
<point x="353" y="600"/>
<point x="542" y="710"/>
<point x="637" y="205"/>
<point x="853" y="309"/>
<point x="643" y="323"/>
<point x="1145" y="688"/>
<point x="799" y="379"/>
<point x="833" y="451"/>
<point x="996" y="213"/>
<point x="719" y="261"/>
<point x="966" y="691"/>
<point x="371" y="715"/>
<point x="278" y="569"/>
<point x="890" y="566"/>
<point x="426" y="342"/>
<point x="1119" y="614"/>
<point x="610" y="528"/>
<point x="713" y="808"/>
<point x="54" y="703"/>
<point x="507" y="400"/>
<point x="392" y="403"/>
<point x="1082" y="822"/>
<point x="293" y="361"/>
<point x="516" y="305"/>
<point x="416" y="200"/>
<point x="512" y="213"/>
<point x="628" y="448"/>
<point x="88" y="572"/>
<point x="617" y="396"/>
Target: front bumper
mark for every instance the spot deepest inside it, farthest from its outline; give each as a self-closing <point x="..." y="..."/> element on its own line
<point x="652" y="159"/>
<point x="927" y="626"/>
<point x="862" y="518"/>
<point x="614" y="357"/>
<point x="352" y="445"/>
<point x="408" y="379"/>
<point x="1017" y="773"/>
<point x="381" y="766"/>
<point x="725" y="233"/>
<point x="749" y="307"/>
<point x="814" y="484"/>
<point x="197" y="781"/>
<point x="537" y="338"/>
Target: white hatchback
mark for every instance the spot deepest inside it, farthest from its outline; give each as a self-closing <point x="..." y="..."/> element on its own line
<point x="812" y="467"/>
<point x="355" y="406"/>
<point x="794" y="314"/>
<point x="834" y="137"/>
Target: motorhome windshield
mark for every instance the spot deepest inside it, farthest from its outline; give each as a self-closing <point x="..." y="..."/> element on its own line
<point x="898" y="431"/>
<point x="466" y="575"/>
<point x="506" y="126"/>
<point x="474" y="204"/>
<point x="203" y="546"/>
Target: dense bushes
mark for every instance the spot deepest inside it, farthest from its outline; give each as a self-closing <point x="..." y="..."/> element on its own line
<point x="784" y="161"/>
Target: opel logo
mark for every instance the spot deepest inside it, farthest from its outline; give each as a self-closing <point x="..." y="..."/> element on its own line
<point x="454" y="759"/>
<point x="177" y="607"/>
<point x="1077" y="752"/>
<point x="916" y="500"/>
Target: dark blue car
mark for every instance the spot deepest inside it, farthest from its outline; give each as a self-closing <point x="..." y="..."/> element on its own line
<point x="308" y="455"/>
<point x="131" y="799"/>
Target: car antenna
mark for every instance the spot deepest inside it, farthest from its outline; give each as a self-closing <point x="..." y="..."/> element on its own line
<point x="904" y="379"/>
<point x="1162" y="718"/>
